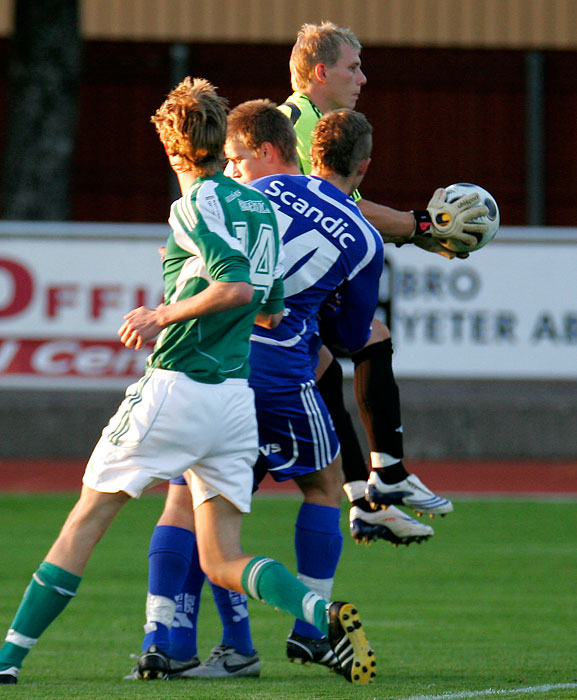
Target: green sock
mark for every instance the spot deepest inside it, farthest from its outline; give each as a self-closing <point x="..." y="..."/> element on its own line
<point x="45" y="598"/>
<point x="269" y="581"/>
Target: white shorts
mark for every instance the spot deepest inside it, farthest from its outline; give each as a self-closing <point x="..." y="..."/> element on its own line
<point x="169" y="423"/>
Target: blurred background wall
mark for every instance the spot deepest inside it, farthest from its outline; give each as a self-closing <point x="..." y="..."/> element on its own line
<point x="477" y="90"/>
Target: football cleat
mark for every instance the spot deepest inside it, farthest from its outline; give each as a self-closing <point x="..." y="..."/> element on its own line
<point x="225" y="662"/>
<point x="409" y="492"/>
<point x="348" y="641"/>
<point x="389" y="524"/>
<point x="9" y="676"/>
<point x="156" y="665"/>
<point x="306" y="651"/>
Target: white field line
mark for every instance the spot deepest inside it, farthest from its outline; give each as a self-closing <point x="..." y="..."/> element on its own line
<point x="465" y="694"/>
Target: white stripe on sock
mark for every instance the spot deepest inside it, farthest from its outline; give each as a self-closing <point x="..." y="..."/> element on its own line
<point x="20" y="640"/>
<point x="161" y="609"/>
<point x="61" y="591"/>
<point x="309" y="603"/>
<point x="251" y="581"/>
<point x="322" y="586"/>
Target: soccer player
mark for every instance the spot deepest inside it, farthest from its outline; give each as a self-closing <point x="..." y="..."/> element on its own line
<point x="261" y="142"/>
<point x="326" y="74"/>
<point x="193" y="411"/>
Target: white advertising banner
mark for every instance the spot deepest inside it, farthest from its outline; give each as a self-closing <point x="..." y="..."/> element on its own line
<point x="508" y="311"/>
<point x="64" y="289"/>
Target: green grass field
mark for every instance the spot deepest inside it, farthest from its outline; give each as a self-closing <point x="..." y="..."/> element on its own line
<point x="489" y="603"/>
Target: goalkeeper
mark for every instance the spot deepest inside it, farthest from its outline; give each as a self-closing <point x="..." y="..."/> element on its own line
<point x="326" y="74"/>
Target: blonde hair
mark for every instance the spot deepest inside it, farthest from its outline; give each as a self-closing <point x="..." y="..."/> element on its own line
<point x="191" y="123"/>
<point x="318" y="43"/>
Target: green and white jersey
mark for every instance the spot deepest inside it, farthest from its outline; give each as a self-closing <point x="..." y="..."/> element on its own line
<point x="227" y="232"/>
<point x="304" y="116"/>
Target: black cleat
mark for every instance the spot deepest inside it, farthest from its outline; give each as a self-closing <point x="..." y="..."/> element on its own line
<point x="348" y="641"/>
<point x="9" y="676"/>
<point x="306" y="651"/>
<point x="155" y="665"/>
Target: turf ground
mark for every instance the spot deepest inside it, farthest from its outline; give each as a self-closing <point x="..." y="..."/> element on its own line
<point x="489" y="603"/>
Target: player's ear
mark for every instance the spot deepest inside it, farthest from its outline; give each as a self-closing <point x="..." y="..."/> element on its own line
<point x="266" y="150"/>
<point x="363" y="167"/>
<point x="320" y="72"/>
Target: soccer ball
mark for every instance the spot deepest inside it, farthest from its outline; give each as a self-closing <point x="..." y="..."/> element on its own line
<point x="492" y="218"/>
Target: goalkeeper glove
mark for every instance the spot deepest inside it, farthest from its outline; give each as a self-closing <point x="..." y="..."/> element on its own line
<point x="452" y="220"/>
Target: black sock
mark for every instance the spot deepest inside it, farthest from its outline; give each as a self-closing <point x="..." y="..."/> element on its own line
<point x="393" y="474"/>
<point x="377" y="396"/>
<point x="363" y="504"/>
<point x="331" y="387"/>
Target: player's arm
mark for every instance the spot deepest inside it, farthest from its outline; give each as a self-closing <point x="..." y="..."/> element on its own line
<point x="432" y="229"/>
<point x="272" y="311"/>
<point x="348" y="323"/>
<point x="269" y="321"/>
<point x="400" y="227"/>
<point x="144" y="324"/>
<point x="393" y="225"/>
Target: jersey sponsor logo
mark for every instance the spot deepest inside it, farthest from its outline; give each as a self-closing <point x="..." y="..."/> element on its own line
<point x="212" y="205"/>
<point x="232" y="196"/>
<point x="271" y="448"/>
<point x="335" y="227"/>
<point x="254" y="205"/>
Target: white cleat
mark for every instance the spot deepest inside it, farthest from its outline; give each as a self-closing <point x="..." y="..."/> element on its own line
<point x="389" y="524"/>
<point x="409" y="492"/>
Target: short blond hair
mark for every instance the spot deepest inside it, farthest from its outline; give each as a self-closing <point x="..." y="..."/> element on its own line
<point x="191" y="124"/>
<point x="318" y="43"/>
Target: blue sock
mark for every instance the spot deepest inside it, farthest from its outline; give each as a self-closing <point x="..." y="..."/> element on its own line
<point x="233" y="611"/>
<point x="169" y="558"/>
<point x="318" y="545"/>
<point x="183" y="633"/>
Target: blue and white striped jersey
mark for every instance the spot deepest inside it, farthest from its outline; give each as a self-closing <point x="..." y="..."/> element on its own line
<point x="328" y="245"/>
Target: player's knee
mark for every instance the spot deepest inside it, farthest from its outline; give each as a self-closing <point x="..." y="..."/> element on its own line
<point x="324" y="487"/>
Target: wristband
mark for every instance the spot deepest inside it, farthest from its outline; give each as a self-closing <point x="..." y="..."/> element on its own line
<point x="422" y="221"/>
<point x="422" y="225"/>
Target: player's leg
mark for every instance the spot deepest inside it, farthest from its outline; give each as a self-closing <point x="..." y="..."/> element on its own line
<point x="298" y="441"/>
<point x="222" y="488"/>
<point x="365" y="524"/>
<point x="318" y="546"/>
<point x="173" y="601"/>
<point x="183" y="632"/>
<point x="170" y="557"/>
<point x="218" y="530"/>
<point x="377" y="396"/>
<point x="58" y="577"/>
<point x="235" y="656"/>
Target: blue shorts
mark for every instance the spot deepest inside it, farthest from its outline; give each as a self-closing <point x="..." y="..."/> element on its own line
<point x="295" y="430"/>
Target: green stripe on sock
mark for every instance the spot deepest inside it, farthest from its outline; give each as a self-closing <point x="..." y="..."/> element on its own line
<point x="45" y="598"/>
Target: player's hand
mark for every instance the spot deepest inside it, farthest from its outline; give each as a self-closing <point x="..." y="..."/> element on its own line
<point x="453" y="221"/>
<point x="334" y="301"/>
<point x="434" y="245"/>
<point x="140" y="326"/>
